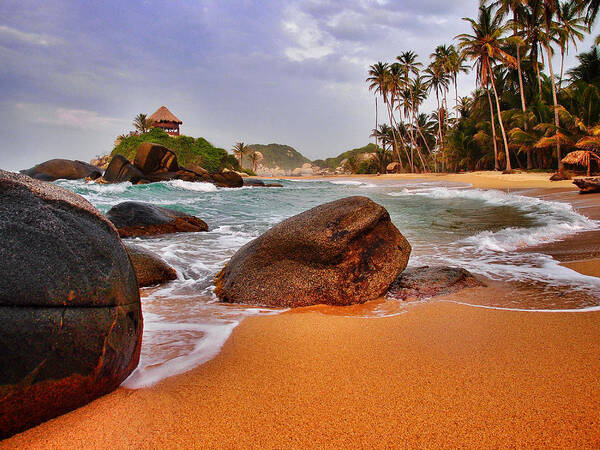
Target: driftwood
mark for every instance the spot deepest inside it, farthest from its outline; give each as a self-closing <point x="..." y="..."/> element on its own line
<point x="587" y="185"/>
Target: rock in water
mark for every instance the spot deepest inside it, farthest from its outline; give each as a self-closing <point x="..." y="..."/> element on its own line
<point x="56" y="169"/>
<point x="587" y="185"/>
<point x="69" y="304"/>
<point x="150" y="269"/>
<point x="143" y="219"/>
<point x="154" y="158"/>
<point x="120" y="169"/>
<point x="424" y="282"/>
<point x="340" y="253"/>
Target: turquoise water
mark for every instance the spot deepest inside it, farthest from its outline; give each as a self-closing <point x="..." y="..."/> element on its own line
<point x="479" y="230"/>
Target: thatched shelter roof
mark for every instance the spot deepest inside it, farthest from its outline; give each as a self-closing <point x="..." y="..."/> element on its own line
<point x="580" y="157"/>
<point x="163" y="114"/>
<point x="550" y="141"/>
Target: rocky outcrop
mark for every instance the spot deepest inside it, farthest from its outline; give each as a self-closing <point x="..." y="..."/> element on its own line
<point x="150" y="269"/>
<point x="424" y="282"/>
<point x="587" y="185"/>
<point x="120" y="170"/>
<point x="144" y="219"/>
<point x="69" y="304"/>
<point x="154" y="163"/>
<point x="56" y="169"/>
<point x="340" y="253"/>
<point x="254" y="183"/>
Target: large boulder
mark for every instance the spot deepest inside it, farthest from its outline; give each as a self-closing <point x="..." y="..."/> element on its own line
<point x="150" y="269"/>
<point x="152" y="158"/>
<point x="340" y="253"/>
<point x="56" y="169"/>
<point x="69" y="304"/>
<point x="120" y="169"/>
<point x="144" y="219"/>
<point x="425" y="282"/>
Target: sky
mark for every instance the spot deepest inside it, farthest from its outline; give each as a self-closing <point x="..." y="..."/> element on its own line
<point x="74" y="74"/>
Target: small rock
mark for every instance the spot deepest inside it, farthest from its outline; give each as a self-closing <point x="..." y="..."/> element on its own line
<point x="424" y="282"/>
<point x="150" y="269"/>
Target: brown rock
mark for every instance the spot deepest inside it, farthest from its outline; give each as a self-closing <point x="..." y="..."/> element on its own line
<point x="153" y="158"/>
<point x="69" y="304"/>
<point x="150" y="269"/>
<point x="56" y="169"/>
<point x="143" y="219"/>
<point x="340" y="253"/>
<point x="227" y="179"/>
<point x="120" y="169"/>
<point x="424" y="282"/>
<point x="587" y="185"/>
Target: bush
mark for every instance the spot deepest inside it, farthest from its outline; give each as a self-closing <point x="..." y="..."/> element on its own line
<point x="249" y="172"/>
<point x="190" y="151"/>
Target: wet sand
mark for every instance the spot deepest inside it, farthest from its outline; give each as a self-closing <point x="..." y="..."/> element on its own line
<point x="440" y="374"/>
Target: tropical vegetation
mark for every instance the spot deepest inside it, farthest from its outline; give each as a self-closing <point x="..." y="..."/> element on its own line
<point x="523" y="112"/>
<point x="190" y="151"/>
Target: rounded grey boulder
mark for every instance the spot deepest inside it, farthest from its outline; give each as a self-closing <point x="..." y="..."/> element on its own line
<point x="69" y="303"/>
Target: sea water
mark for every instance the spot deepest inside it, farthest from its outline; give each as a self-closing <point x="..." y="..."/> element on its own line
<point x="483" y="231"/>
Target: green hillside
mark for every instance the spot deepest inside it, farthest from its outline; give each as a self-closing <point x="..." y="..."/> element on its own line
<point x="278" y="155"/>
<point x="190" y="151"/>
<point x="333" y="163"/>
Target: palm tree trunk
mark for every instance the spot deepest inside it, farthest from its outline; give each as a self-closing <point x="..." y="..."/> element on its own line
<point x="496" y="165"/>
<point x="555" y="100"/>
<point x="523" y="105"/>
<point x="508" y="166"/>
<point x="562" y="65"/>
<point x="376" y="124"/>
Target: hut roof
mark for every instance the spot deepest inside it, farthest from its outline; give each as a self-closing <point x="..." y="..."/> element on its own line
<point x="163" y="114"/>
<point x="580" y="157"/>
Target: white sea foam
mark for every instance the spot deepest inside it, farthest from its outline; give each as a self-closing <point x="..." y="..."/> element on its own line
<point x="191" y="185"/>
<point x="556" y="220"/>
<point x="356" y="183"/>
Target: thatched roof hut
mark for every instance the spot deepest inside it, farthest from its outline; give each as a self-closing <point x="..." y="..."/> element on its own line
<point x="582" y="158"/>
<point x="165" y="119"/>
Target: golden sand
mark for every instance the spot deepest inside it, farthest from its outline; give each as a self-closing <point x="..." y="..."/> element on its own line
<point x="441" y="374"/>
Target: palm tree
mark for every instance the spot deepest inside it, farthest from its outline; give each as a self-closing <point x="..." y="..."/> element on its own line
<point x="142" y="124"/>
<point x="569" y="28"/>
<point x="377" y="82"/>
<point x="455" y="65"/>
<point x="437" y="79"/>
<point x="255" y="158"/>
<point x="550" y="8"/>
<point x="484" y="46"/>
<point x="517" y="8"/>
<point x="239" y="150"/>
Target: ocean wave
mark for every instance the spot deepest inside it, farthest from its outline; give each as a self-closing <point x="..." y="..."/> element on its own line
<point x="554" y="220"/>
<point x="191" y="185"/>
<point x="356" y="183"/>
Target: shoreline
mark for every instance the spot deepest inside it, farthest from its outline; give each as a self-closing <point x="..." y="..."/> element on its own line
<point x="440" y="374"/>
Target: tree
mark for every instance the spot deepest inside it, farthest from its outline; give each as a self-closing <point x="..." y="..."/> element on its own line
<point x="255" y="158"/>
<point x="484" y="46"/>
<point x="239" y="150"/>
<point x="142" y="123"/>
<point x="569" y="28"/>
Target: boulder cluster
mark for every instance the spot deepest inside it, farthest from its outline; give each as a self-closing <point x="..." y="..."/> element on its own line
<point x="154" y="162"/>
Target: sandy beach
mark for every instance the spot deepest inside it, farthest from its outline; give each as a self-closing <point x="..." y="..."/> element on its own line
<point x="439" y="374"/>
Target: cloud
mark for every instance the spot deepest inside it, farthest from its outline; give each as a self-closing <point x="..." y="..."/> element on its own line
<point x="26" y="37"/>
<point x="65" y="117"/>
